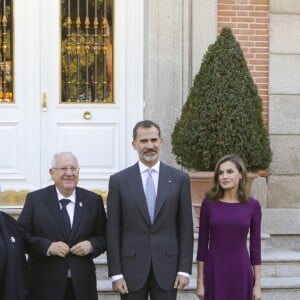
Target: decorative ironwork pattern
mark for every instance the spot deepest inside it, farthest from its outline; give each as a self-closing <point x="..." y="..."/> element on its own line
<point x="87" y="66"/>
<point x="6" y="65"/>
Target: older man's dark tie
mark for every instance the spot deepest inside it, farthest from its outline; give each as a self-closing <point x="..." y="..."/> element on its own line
<point x="66" y="217"/>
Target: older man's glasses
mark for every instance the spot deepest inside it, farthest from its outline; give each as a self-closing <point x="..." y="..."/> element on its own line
<point x="63" y="170"/>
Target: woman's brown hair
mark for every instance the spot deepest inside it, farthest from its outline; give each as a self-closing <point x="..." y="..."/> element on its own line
<point x="217" y="192"/>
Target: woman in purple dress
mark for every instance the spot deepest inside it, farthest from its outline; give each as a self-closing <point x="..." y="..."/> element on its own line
<point x="226" y="269"/>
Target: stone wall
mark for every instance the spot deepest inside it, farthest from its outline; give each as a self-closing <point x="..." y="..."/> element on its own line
<point x="284" y="103"/>
<point x="177" y="34"/>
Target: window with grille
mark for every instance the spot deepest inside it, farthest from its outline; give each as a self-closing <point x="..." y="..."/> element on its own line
<point x="6" y="49"/>
<point x="87" y="51"/>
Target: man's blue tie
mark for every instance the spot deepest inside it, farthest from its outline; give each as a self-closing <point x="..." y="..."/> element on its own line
<point x="150" y="194"/>
<point x="66" y="217"/>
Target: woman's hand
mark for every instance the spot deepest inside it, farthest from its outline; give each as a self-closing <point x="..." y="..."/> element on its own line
<point x="200" y="290"/>
<point x="256" y="293"/>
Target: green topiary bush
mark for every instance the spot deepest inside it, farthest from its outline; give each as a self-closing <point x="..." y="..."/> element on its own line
<point x="223" y="112"/>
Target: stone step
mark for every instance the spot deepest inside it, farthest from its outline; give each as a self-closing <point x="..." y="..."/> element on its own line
<point x="280" y="263"/>
<point x="281" y="288"/>
<point x="273" y="288"/>
<point x="275" y="263"/>
<point x="105" y="291"/>
<point x="280" y="277"/>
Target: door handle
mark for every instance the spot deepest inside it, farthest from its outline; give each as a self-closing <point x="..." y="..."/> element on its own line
<point x="44" y="102"/>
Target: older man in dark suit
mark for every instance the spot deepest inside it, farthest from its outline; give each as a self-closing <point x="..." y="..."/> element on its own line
<point x="149" y="225"/>
<point x="63" y="230"/>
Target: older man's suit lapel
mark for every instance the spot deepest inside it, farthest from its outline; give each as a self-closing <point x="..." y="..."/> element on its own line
<point x="54" y="208"/>
<point x="135" y="184"/>
<point x="79" y="210"/>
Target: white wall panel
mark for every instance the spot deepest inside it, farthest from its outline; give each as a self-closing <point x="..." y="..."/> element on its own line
<point x="97" y="145"/>
<point x="8" y="151"/>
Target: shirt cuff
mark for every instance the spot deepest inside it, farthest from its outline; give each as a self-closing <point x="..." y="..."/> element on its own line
<point x="120" y="276"/>
<point x="184" y="274"/>
<point x="116" y="277"/>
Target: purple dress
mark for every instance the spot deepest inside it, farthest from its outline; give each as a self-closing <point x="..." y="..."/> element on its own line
<point x="222" y="246"/>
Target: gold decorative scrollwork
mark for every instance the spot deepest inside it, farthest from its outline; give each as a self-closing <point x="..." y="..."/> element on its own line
<point x="87" y="51"/>
<point x="13" y="198"/>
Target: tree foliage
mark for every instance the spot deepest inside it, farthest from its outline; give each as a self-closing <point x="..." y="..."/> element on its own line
<point x="223" y="112"/>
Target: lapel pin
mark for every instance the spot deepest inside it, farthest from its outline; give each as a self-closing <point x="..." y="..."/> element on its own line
<point x="12" y="238"/>
<point x="80" y="204"/>
<point x="169" y="180"/>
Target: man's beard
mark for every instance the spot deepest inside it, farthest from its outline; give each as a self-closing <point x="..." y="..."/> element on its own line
<point x="150" y="158"/>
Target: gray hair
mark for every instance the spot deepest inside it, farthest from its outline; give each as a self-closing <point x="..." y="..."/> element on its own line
<point x="58" y="154"/>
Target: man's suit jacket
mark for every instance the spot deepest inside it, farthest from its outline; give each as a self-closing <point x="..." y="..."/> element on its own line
<point x="15" y="271"/>
<point x="133" y="244"/>
<point x="42" y="223"/>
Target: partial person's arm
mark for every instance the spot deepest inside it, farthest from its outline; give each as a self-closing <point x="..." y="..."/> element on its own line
<point x="203" y="241"/>
<point x="257" y="294"/>
<point x="200" y="284"/>
<point x="185" y="230"/>
<point x="33" y="243"/>
<point x="255" y="249"/>
<point x="114" y="236"/>
<point x="186" y="234"/>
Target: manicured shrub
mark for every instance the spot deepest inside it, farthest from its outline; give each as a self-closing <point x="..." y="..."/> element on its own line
<point x="223" y="112"/>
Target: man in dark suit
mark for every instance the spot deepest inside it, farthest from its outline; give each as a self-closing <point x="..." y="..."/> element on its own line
<point x="62" y="239"/>
<point x="149" y="245"/>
